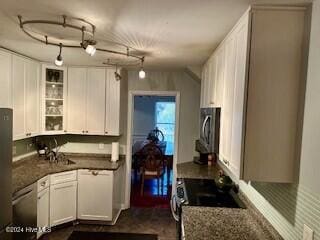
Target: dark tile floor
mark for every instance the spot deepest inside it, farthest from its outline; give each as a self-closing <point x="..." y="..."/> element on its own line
<point x="134" y="220"/>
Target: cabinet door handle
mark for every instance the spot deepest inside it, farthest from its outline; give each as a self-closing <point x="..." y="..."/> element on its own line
<point x="106" y="132"/>
<point x="65" y="131"/>
<point x="87" y="131"/>
<point x="43" y="184"/>
<point x="226" y="162"/>
<point x="95" y="173"/>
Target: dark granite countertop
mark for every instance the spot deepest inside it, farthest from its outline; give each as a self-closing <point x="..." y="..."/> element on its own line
<point x="192" y="170"/>
<point x="205" y="223"/>
<point x="31" y="169"/>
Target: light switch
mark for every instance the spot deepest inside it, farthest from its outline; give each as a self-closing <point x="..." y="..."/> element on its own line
<point x="307" y="233"/>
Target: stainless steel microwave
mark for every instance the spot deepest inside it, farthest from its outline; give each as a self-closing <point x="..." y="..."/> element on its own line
<point x="210" y="130"/>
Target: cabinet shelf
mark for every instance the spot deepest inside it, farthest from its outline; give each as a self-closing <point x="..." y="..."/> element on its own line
<point x="54" y="83"/>
<point x="54" y="99"/>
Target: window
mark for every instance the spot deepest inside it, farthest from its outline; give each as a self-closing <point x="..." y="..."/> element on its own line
<point x="165" y="121"/>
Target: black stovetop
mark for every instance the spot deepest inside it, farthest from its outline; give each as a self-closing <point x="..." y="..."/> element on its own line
<point x="204" y="192"/>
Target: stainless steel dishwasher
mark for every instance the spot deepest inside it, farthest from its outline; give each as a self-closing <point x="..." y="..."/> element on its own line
<point x="25" y="213"/>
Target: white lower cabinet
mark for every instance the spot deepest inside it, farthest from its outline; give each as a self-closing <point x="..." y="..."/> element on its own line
<point x="95" y="194"/>
<point x="83" y="194"/>
<point x="63" y="203"/>
<point x="43" y="210"/>
<point x="43" y="205"/>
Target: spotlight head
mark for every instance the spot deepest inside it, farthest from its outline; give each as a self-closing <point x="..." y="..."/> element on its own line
<point x="142" y="74"/>
<point x="91" y="50"/>
<point x="89" y="47"/>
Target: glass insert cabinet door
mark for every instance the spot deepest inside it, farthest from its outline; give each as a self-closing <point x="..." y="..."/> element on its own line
<point x="54" y="99"/>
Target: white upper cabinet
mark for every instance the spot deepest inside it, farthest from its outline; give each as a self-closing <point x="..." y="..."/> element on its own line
<point x="54" y="92"/>
<point x="32" y="95"/>
<point x="211" y="82"/>
<point x="113" y="104"/>
<point x="275" y="94"/>
<point x="237" y="125"/>
<point x="219" y="77"/>
<point x="228" y="94"/>
<point x="76" y="100"/>
<point x="5" y="80"/>
<point x="77" y="95"/>
<point x="260" y="88"/>
<point x="25" y="84"/>
<point x="86" y="100"/>
<point x="206" y="85"/>
<point x="18" y="84"/>
<point x="96" y="94"/>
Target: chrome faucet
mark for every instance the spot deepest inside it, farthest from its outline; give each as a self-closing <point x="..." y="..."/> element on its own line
<point x="52" y="155"/>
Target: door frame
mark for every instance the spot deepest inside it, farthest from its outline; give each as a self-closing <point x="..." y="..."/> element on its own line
<point x="132" y="94"/>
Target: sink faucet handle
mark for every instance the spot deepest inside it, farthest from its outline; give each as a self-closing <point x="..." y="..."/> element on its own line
<point x="221" y="173"/>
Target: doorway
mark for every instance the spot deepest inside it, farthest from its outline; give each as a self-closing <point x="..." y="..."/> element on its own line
<point x="152" y="148"/>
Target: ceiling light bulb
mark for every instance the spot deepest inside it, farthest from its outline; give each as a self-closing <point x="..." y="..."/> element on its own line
<point x="142" y="74"/>
<point x="91" y="50"/>
<point x="58" y="61"/>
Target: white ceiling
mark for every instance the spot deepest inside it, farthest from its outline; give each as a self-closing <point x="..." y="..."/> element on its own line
<point x="171" y="33"/>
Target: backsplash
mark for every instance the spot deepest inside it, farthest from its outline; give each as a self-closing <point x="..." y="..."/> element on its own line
<point x="286" y="206"/>
<point x="24" y="146"/>
<point x="70" y="143"/>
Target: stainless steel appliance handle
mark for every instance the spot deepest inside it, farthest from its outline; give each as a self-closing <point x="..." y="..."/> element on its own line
<point x="206" y="120"/>
<point x="174" y="214"/>
<point x="20" y="197"/>
<point x="183" y="234"/>
<point x="204" y="125"/>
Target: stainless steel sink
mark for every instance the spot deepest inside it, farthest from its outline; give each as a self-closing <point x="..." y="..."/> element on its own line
<point x="46" y="164"/>
<point x="68" y="162"/>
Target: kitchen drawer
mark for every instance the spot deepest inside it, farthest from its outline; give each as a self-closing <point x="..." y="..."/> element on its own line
<point x="43" y="183"/>
<point x="63" y="177"/>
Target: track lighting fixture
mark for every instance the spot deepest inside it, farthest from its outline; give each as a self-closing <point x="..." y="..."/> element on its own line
<point x="142" y="73"/>
<point x="117" y="75"/>
<point x="87" y="41"/>
<point x="59" y="60"/>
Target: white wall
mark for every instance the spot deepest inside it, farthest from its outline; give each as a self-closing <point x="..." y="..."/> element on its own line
<point x="189" y="103"/>
<point x="143" y="115"/>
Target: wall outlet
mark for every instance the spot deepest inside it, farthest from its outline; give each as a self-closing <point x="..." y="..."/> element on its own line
<point x="307" y="233"/>
<point x="101" y="146"/>
<point x="14" y="150"/>
<point x="29" y="146"/>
